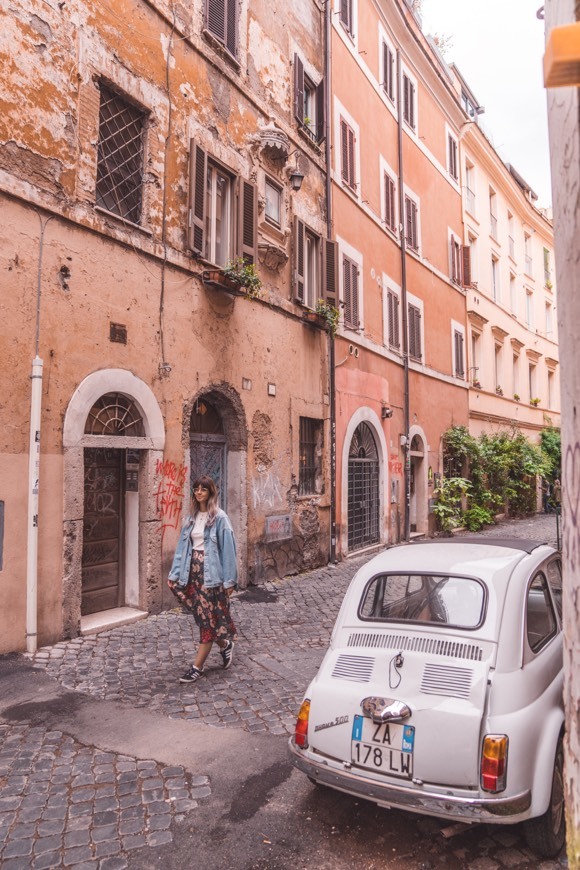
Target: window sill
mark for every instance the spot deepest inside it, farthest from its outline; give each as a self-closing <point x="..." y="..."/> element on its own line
<point x="314" y="143"/>
<point x="122" y="221"/>
<point x="220" y="48"/>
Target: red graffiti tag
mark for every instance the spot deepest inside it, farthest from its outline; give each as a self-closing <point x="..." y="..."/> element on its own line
<point x="170" y="493"/>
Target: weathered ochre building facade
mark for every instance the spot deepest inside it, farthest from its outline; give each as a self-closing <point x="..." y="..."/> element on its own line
<point x="140" y="144"/>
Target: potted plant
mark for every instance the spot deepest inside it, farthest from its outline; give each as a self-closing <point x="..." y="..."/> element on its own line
<point x="517" y="397"/>
<point x="548" y="284"/>
<point x="238" y="277"/>
<point x="330" y="315"/>
<point x="245" y="275"/>
<point x="535" y="402"/>
<point x="477" y="385"/>
<point x="499" y="390"/>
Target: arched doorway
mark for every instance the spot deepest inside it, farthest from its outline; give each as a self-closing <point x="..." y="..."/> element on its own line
<point x="363" y="489"/>
<point x="113" y="439"/>
<point x="217" y="435"/>
<point x="207" y="446"/>
<point x="418" y="485"/>
<point x="110" y="479"/>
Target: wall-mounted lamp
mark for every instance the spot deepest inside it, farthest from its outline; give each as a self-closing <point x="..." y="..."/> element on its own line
<point x="295" y="175"/>
<point x="386" y="412"/>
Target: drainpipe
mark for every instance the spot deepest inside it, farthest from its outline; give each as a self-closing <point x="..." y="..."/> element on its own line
<point x="34" y="469"/>
<point x="406" y="422"/>
<point x="331" y="356"/>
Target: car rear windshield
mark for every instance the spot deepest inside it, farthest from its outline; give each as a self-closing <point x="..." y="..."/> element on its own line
<point x="438" y="599"/>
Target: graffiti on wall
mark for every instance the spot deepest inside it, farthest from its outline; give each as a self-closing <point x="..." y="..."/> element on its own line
<point x="170" y="493"/>
<point x="571" y="491"/>
<point x="267" y="490"/>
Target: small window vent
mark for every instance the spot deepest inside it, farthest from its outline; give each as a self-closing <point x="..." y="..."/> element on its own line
<point x="452" y="648"/>
<point x="359" y="669"/>
<point x="118" y="333"/>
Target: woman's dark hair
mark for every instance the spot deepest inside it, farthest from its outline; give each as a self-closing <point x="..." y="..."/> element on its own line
<point x="212" y="502"/>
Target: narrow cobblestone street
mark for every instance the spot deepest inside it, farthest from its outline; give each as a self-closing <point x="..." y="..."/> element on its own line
<point x="66" y="804"/>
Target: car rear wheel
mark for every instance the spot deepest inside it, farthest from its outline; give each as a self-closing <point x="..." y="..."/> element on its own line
<point x="546" y="834"/>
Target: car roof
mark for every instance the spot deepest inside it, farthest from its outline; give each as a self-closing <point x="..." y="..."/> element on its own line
<point x="525" y="544"/>
<point x="487" y="559"/>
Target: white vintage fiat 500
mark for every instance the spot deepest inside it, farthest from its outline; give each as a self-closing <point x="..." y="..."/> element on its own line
<point x="441" y="692"/>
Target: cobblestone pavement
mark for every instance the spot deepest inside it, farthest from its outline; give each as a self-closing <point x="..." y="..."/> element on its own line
<point x="64" y="804"/>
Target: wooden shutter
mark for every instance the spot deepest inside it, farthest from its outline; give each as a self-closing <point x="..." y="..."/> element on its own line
<point x="389" y="202"/>
<point x="298" y="89"/>
<point x="466" y="263"/>
<point x="355" y="305"/>
<point x="409" y="101"/>
<point x="411" y="223"/>
<point x="388" y="62"/>
<point x="197" y="199"/>
<point x="454" y="275"/>
<point x="299" y="245"/>
<point x="347" y="291"/>
<point x="247" y="221"/>
<point x="330" y="271"/>
<point x="320" y="112"/>
<point x="347" y="146"/>
<point x="232" y="26"/>
<point x="393" y="316"/>
<point x="414" y="332"/>
<point x="344" y="150"/>
<point x="215" y="17"/>
<point x="459" y="368"/>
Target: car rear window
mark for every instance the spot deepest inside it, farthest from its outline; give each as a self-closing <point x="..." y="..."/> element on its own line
<point x="438" y="599"/>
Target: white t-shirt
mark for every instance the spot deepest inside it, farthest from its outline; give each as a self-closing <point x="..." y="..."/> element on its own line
<point x="198" y="529"/>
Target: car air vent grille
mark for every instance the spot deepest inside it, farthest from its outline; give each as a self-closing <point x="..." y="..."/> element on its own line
<point x="447" y="681"/>
<point x="356" y="668"/>
<point x="452" y="648"/>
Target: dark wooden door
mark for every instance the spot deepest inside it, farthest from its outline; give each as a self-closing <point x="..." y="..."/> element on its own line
<point x="102" y="563"/>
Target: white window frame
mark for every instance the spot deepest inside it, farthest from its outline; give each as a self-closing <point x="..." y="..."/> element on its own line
<point x="341" y="113"/>
<point x="347" y="250"/>
<point x="513" y="294"/>
<point x="458" y="327"/>
<point x="269" y="182"/>
<point x="495" y="278"/>
<point x="450" y="135"/>
<point x="549" y="317"/>
<point x="469" y="187"/>
<point x="211" y="215"/>
<point x="413" y="130"/>
<point x="313" y="276"/>
<point x="529" y="308"/>
<point x="384" y="39"/>
<point x="350" y="36"/>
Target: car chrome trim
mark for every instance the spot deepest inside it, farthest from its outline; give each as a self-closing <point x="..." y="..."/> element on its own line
<point x="384" y="709"/>
<point x="446" y="806"/>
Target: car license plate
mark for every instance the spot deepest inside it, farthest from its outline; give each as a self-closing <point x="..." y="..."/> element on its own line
<point x="387" y="748"/>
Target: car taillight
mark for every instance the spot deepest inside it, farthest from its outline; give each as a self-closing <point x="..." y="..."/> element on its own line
<point x="301" y="730"/>
<point x="494" y="762"/>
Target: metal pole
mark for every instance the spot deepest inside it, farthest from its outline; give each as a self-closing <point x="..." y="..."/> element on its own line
<point x="406" y="415"/>
<point x="33" y="478"/>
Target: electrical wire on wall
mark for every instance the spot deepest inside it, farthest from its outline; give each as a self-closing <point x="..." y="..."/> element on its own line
<point x="164" y="367"/>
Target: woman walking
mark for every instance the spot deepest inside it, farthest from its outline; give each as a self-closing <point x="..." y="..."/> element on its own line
<point x="204" y="574"/>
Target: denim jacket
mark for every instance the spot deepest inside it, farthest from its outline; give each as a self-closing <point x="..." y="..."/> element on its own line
<point x="219" y="566"/>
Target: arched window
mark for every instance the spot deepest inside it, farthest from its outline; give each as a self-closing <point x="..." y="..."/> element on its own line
<point x="114" y="414"/>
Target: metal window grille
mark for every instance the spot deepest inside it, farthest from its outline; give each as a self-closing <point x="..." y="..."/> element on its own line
<point x="114" y="414"/>
<point x="120" y="157"/>
<point x="363" y="490"/>
<point x="310" y="455"/>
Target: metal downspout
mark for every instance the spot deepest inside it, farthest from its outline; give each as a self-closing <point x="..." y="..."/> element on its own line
<point x="331" y="356"/>
<point x="34" y="468"/>
<point x="406" y="415"/>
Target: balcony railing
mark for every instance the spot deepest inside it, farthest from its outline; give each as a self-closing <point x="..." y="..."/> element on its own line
<point x="493" y="225"/>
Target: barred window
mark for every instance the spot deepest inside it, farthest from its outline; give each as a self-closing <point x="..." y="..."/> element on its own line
<point x="119" y="187"/>
<point x="310" y="452"/>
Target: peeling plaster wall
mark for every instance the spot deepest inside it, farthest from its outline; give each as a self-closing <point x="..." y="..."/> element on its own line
<point x="96" y="270"/>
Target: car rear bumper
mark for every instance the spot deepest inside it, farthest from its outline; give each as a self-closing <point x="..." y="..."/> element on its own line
<point x="497" y="810"/>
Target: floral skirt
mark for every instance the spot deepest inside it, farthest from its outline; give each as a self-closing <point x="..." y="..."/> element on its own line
<point x="210" y="607"/>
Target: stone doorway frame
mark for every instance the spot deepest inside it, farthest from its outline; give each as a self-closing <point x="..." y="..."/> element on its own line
<point x="143" y="535"/>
